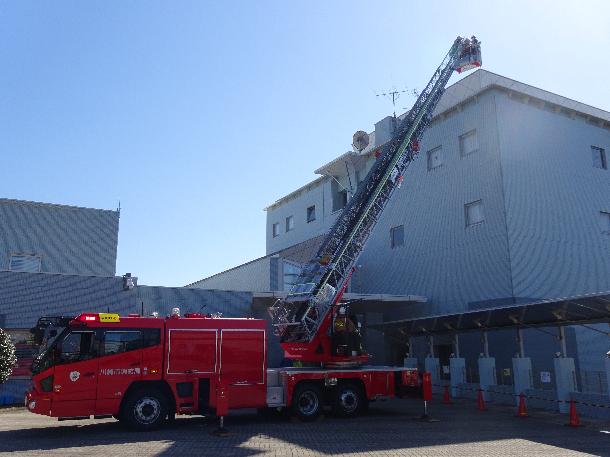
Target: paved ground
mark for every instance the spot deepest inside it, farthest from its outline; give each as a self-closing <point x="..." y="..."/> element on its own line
<point x="387" y="430"/>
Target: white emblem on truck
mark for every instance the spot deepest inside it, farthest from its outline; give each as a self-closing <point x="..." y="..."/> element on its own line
<point x="74" y="375"/>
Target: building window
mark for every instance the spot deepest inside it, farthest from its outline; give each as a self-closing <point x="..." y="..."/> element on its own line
<point x="290" y="274"/>
<point x="435" y="159"/>
<point x="289" y="223"/>
<point x="339" y="195"/>
<point x="605" y="221"/>
<point x="469" y="143"/>
<point x="311" y="213"/>
<point x="599" y="157"/>
<point x="276" y="229"/>
<point x="397" y="236"/>
<point x="25" y="262"/>
<point x="474" y="213"/>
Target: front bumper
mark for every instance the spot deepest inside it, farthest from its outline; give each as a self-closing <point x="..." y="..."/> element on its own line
<point x="38" y="403"/>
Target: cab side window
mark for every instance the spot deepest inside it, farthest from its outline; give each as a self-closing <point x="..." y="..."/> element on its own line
<point x="116" y="342"/>
<point x="76" y="346"/>
<point x="151" y="337"/>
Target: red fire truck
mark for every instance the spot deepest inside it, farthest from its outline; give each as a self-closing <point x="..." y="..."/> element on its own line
<point x="144" y="370"/>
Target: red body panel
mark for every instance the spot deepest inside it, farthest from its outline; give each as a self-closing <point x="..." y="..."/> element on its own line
<point x="74" y="389"/>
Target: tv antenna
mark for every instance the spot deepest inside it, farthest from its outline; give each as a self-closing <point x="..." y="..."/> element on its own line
<point x="394" y="95"/>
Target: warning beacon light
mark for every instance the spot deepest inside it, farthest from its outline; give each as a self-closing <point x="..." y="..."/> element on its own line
<point x="469" y="56"/>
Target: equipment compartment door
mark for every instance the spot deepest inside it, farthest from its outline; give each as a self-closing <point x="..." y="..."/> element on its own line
<point x="191" y="351"/>
<point x="243" y="367"/>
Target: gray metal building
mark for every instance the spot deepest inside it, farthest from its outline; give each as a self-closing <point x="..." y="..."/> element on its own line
<point x="48" y="238"/>
<point x="61" y="260"/>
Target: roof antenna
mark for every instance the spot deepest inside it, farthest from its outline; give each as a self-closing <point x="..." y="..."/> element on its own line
<point x="394" y="95"/>
<point x="119" y="208"/>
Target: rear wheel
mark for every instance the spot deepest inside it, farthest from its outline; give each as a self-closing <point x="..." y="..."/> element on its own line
<point x="348" y="400"/>
<point x="145" y="409"/>
<point x="307" y="402"/>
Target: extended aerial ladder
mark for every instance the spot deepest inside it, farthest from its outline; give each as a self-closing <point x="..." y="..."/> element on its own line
<point x="304" y="319"/>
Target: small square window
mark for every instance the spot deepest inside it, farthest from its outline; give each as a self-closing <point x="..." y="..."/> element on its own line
<point x="397" y="236"/>
<point x="599" y="157"/>
<point x="311" y="213"/>
<point x="25" y="262"/>
<point x="435" y="158"/>
<point x="605" y="221"/>
<point x="289" y="223"/>
<point x="469" y="143"/>
<point x="474" y="213"/>
<point x="276" y="229"/>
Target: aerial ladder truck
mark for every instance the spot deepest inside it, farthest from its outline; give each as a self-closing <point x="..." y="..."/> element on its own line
<point x="145" y="370"/>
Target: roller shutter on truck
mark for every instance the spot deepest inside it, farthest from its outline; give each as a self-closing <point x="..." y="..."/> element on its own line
<point x="243" y="366"/>
<point x="192" y="351"/>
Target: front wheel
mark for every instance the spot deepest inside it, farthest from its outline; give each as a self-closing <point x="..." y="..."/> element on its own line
<point x="307" y="402"/>
<point x="145" y="410"/>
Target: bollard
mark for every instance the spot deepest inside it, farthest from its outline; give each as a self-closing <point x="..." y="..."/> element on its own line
<point x="447" y="396"/>
<point x="427" y="395"/>
<point x="574" y="419"/>
<point x="522" y="411"/>
<point x="481" y="401"/>
<point x="427" y="386"/>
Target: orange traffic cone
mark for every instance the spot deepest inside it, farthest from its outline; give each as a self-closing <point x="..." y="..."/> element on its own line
<point x="481" y="401"/>
<point x="522" y="411"/>
<point x="574" y="419"/>
<point x="447" y="396"/>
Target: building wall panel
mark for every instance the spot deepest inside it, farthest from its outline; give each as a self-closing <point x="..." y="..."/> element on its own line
<point x="68" y="239"/>
<point x="554" y="196"/>
<point x="255" y="276"/>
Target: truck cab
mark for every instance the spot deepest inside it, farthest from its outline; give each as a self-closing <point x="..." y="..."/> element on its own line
<point x="143" y="370"/>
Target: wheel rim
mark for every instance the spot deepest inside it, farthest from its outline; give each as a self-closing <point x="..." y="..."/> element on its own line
<point x="308" y="403"/>
<point x="147" y="410"/>
<point x="348" y="400"/>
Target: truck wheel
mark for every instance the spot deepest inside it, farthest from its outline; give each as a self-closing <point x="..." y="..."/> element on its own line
<point x="348" y="400"/>
<point x="145" y="409"/>
<point x="307" y="402"/>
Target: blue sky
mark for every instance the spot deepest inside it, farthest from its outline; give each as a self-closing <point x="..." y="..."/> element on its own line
<point x="197" y="115"/>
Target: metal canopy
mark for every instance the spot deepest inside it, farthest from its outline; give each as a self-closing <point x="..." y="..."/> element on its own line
<point x="563" y="311"/>
<point x="359" y="303"/>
